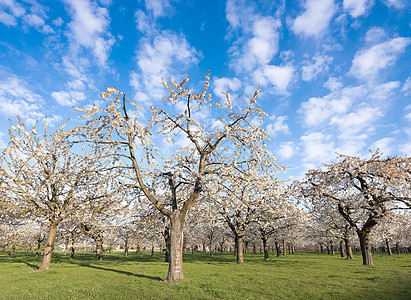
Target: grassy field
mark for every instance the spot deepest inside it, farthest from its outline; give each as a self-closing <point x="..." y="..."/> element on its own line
<point x="299" y="276"/>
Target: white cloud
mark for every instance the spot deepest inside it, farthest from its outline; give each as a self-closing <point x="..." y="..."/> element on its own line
<point x="406" y="149"/>
<point x="278" y="76"/>
<point x="279" y="126"/>
<point x="158" y="8"/>
<point x="286" y="150"/>
<point x="320" y="64"/>
<point x="333" y="84"/>
<point x="7" y="19"/>
<point x="406" y="87"/>
<point x="68" y="98"/>
<point x="89" y="29"/>
<point x="58" y="22"/>
<point x="317" y="147"/>
<point x="398" y="4"/>
<point x="222" y="84"/>
<point x="17" y="99"/>
<point x="368" y="62"/>
<point x="384" y="145"/>
<point x="357" y="8"/>
<point x="15" y="11"/>
<point x="384" y="91"/>
<point x="160" y="58"/>
<point x="260" y="48"/>
<point x="359" y="120"/>
<point x="315" y="19"/>
<point x="375" y="35"/>
<point x="317" y="111"/>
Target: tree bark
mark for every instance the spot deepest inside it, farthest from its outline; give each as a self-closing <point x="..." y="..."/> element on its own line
<point x="321" y="248"/>
<point x="240" y="250"/>
<point x="278" y="248"/>
<point x="126" y="246"/>
<point x="388" y="247"/>
<point x="397" y="246"/>
<point x="284" y="248"/>
<point x="175" y="265"/>
<point x="348" y="248"/>
<point x="167" y="239"/>
<point x="342" y="248"/>
<point x="13" y="249"/>
<point x="266" y="256"/>
<point x="332" y="248"/>
<point x="99" y="247"/>
<point x="365" y="247"/>
<point x="45" y="264"/>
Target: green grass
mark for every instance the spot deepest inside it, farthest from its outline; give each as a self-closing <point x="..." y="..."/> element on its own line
<point x="299" y="276"/>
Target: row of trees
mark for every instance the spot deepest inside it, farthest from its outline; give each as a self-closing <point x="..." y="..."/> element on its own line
<point x="121" y="167"/>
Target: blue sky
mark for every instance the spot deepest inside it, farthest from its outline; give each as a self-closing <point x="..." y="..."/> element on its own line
<point x="334" y="74"/>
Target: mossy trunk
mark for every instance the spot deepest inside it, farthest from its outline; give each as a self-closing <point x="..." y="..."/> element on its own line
<point x="48" y="250"/>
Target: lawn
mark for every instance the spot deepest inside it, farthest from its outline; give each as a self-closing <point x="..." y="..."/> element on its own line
<point x="299" y="276"/>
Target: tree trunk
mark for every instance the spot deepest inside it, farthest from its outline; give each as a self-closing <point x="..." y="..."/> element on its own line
<point x="388" y="247"/>
<point x="152" y="247"/>
<point x="167" y="239"/>
<point x="211" y="248"/>
<point x="332" y="248"/>
<point x="342" y="248"/>
<point x="397" y="246"/>
<point x="204" y="249"/>
<point x="348" y="248"/>
<point x="45" y="264"/>
<point x="277" y="248"/>
<point x="66" y="243"/>
<point x="175" y="266"/>
<point x="13" y="249"/>
<point x="240" y="250"/>
<point x="266" y="256"/>
<point x="365" y="247"/>
<point x="321" y="248"/>
<point x="293" y="249"/>
<point x="284" y="247"/>
<point x="254" y="248"/>
<point x="99" y="247"/>
<point x="126" y="247"/>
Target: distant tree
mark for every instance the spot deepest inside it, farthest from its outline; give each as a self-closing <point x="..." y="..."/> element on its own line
<point x="363" y="191"/>
<point x="43" y="175"/>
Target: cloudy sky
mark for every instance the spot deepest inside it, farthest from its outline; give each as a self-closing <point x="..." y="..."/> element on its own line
<point x="335" y="75"/>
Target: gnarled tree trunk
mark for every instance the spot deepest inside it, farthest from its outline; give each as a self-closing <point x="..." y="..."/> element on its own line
<point x="99" y="247"/>
<point x="48" y="250"/>
<point x="348" y="248"/>
<point x="342" y="248"/>
<point x="365" y="247"/>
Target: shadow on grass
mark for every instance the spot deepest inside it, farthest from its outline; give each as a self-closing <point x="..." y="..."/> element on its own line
<point x="117" y="271"/>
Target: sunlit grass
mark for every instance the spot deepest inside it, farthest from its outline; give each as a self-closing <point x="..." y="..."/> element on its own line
<point x="299" y="276"/>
